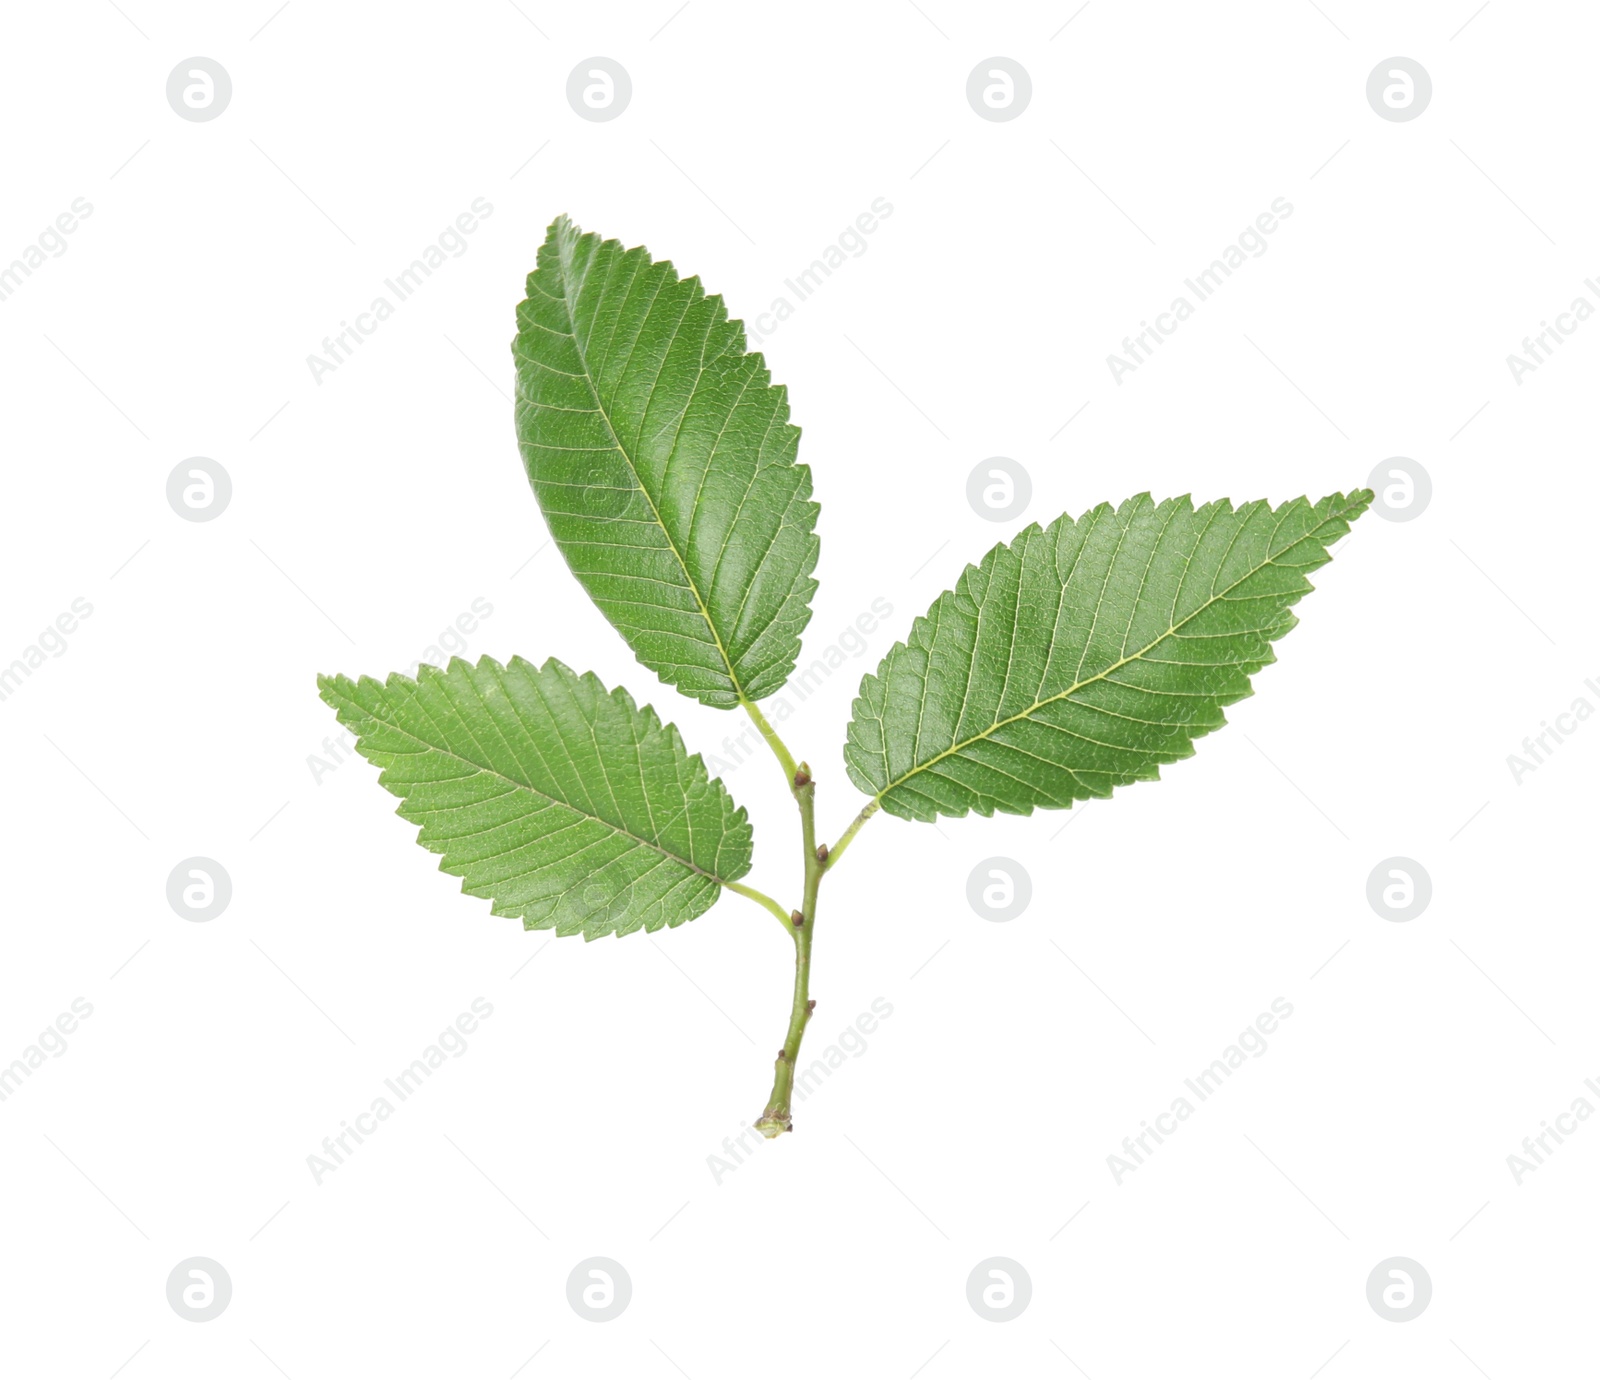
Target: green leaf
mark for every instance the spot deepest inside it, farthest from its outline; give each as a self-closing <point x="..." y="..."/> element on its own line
<point x="1082" y="657"/>
<point x="565" y="805"/>
<point x="663" y="458"/>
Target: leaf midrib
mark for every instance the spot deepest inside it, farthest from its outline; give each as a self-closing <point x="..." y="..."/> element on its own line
<point x="1099" y="675"/>
<point x="638" y="479"/>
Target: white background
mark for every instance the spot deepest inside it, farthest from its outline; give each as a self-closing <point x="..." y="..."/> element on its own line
<point x="372" y="508"/>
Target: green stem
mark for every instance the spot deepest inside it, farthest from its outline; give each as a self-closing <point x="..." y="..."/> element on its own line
<point x="801" y="924"/>
<point x="777" y="1117"/>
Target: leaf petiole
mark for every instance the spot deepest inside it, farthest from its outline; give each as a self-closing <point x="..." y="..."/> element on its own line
<point x="762" y="899"/>
<point x="837" y="851"/>
<point x="779" y="749"/>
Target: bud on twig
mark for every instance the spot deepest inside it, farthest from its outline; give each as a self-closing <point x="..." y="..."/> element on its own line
<point x="796" y="919"/>
<point x="802" y="778"/>
<point x="822" y="852"/>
